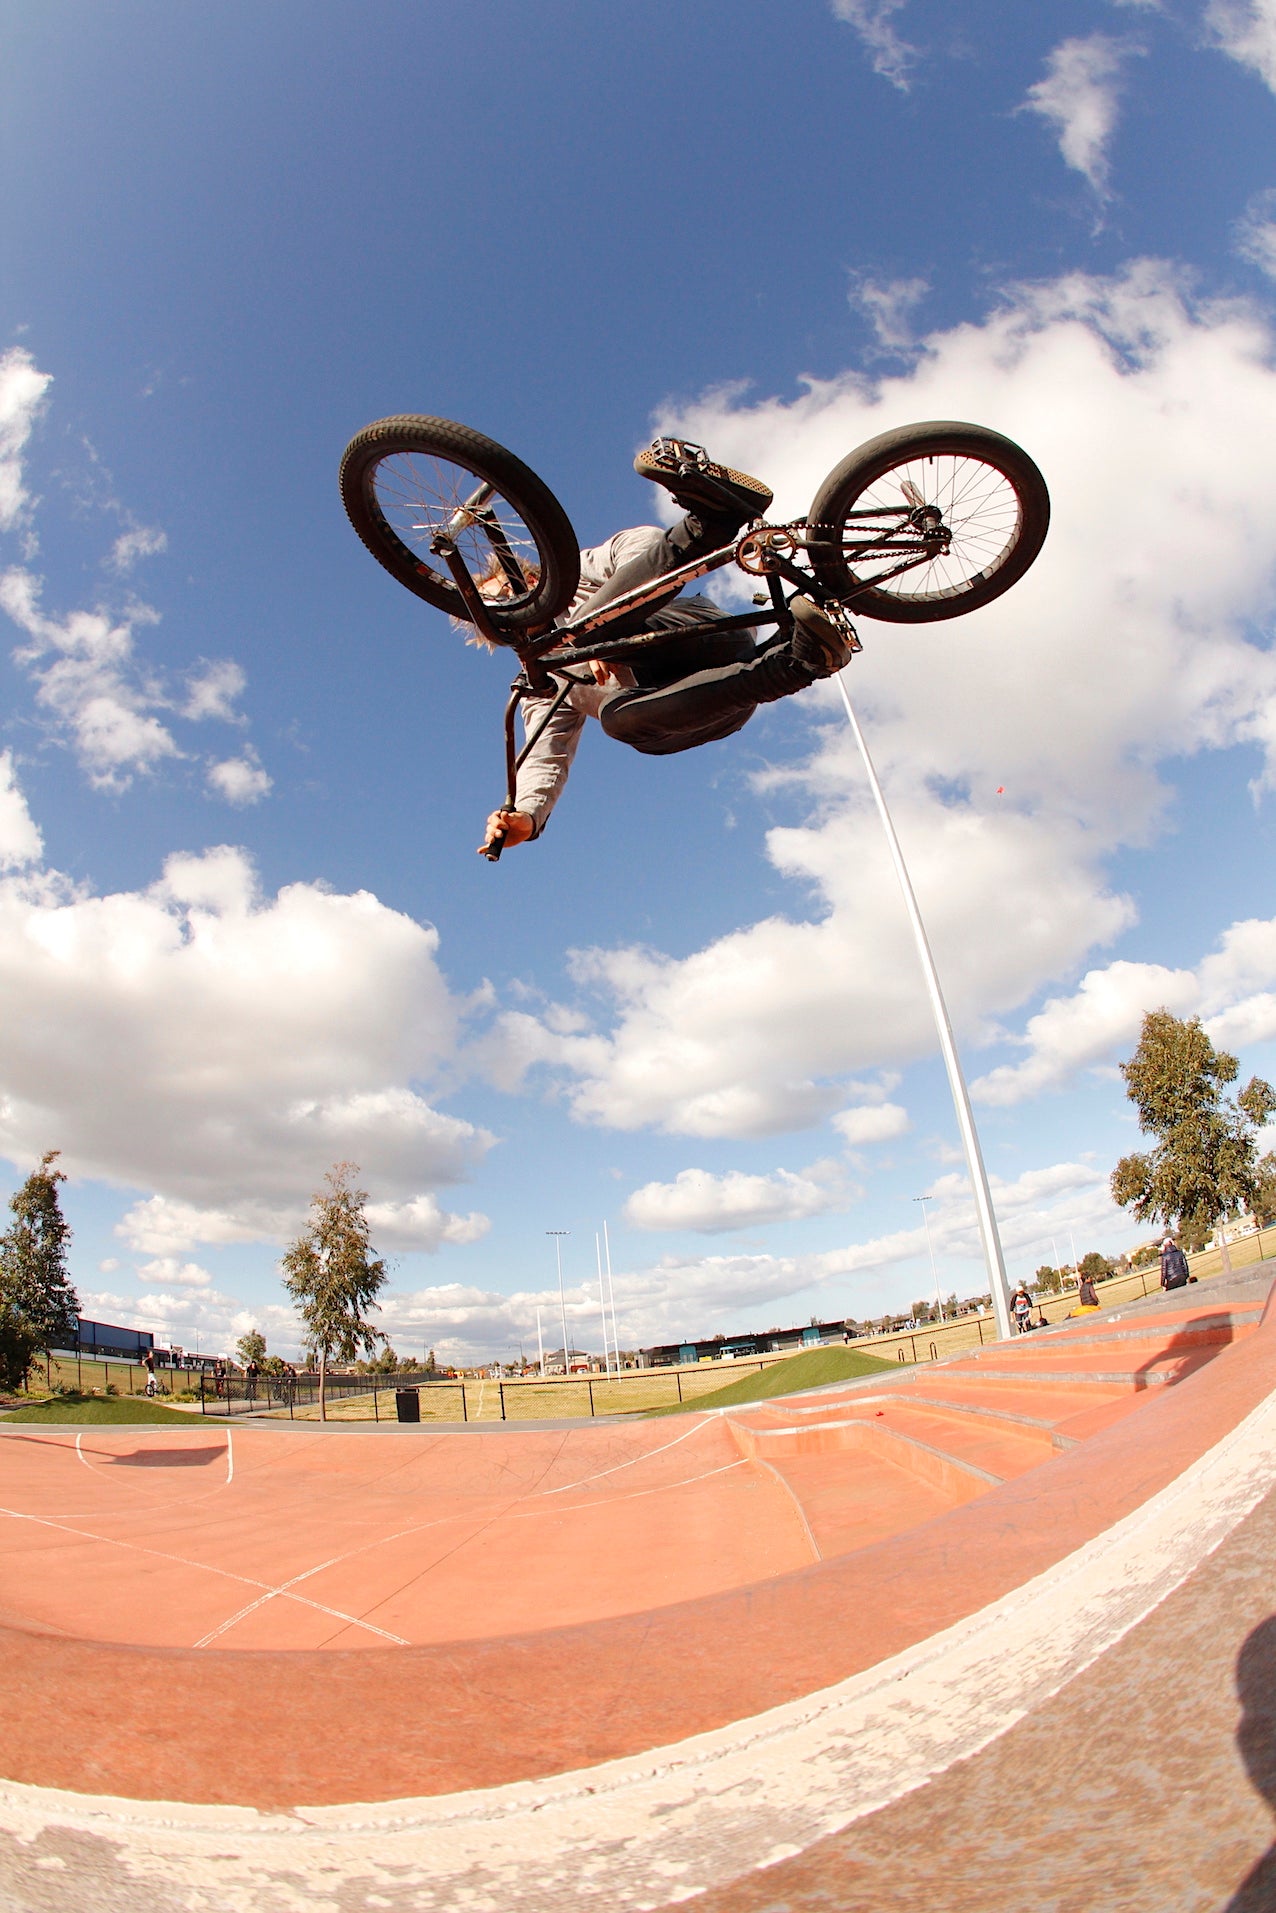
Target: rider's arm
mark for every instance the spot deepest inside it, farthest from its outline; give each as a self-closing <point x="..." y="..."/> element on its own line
<point x="545" y="769"/>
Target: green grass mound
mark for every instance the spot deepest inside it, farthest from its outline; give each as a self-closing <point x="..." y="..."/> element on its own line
<point x="96" y="1408"/>
<point x="812" y="1370"/>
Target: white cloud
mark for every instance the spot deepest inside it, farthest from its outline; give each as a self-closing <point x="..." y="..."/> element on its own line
<point x="181" y="1275"/>
<point x="20" y="839"/>
<point x="222" y="1048"/>
<point x="1255" y="233"/>
<point x="1075" y="1032"/>
<point x="873" y="1122"/>
<point x="1231" y="990"/>
<point x="93" y="687"/>
<point x="1246" y="31"/>
<point x="211" y="692"/>
<point x="697" y="1199"/>
<point x="681" y="1295"/>
<point x="872" y="21"/>
<point x="22" y="390"/>
<point x="140" y="541"/>
<point x="1111" y="657"/>
<point x="1079" y="97"/>
<point x="90" y="686"/>
<point x="240" y="780"/>
<point x="888" y="306"/>
<point x="422" y="1224"/>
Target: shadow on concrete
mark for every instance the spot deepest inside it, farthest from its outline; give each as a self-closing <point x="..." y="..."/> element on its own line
<point x="1256" y="1739"/>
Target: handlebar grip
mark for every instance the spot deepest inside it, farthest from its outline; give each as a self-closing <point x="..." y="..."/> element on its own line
<point x="493" y="850"/>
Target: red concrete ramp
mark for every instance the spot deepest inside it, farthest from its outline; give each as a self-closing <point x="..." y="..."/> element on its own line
<point x="686" y="1641"/>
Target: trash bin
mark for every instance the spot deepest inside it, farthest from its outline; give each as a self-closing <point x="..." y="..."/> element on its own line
<point x="407" y="1402"/>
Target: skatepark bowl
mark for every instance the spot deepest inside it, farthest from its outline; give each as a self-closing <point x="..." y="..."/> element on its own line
<point x="992" y="1633"/>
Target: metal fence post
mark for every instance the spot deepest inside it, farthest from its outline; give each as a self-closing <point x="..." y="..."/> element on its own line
<point x="979" y="1324"/>
<point x="500" y="1388"/>
<point x="465" y="1413"/>
<point x="677" y="1375"/>
<point x="202" y="1406"/>
<point x="590" y="1380"/>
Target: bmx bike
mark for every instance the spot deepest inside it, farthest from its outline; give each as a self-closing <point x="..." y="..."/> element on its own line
<point x="925" y="522"/>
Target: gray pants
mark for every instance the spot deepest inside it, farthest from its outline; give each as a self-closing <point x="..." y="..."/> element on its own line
<point x="699" y="687"/>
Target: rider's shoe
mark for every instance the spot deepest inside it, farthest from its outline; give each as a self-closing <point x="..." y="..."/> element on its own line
<point x="817" y="643"/>
<point x="700" y="485"/>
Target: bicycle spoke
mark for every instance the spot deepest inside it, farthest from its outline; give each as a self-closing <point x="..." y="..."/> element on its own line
<point x="422" y="496"/>
<point x="977" y="504"/>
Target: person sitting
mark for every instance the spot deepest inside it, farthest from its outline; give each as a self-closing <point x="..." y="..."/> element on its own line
<point x="692" y="689"/>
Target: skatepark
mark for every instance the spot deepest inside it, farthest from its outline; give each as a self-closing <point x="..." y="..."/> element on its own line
<point x="966" y="1636"/>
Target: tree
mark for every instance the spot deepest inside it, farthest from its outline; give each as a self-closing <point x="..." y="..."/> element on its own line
<point x="333" y="1276"/>
<point x="1094" y="1265"/>
<point x="251" y="1347"/>
<point x="1203" y="1166"/>
<point x="38" y="1302"/>
<point x="1264" y="1203"/>
<point x="1048" y="1280"/>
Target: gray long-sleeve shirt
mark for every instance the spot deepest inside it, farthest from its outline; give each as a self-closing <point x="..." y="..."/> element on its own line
<point x="545" y="769"/>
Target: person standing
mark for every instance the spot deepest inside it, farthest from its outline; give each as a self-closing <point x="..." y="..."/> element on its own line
<point x="1021" y="1304"/>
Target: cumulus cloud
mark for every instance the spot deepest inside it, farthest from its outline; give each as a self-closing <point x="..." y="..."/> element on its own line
<point x="167" y="1270"/>
<point x="84" y="668"/>
<point x="20" y="839"/>
<point x="1080" y="97"/>
<point x="872" y="1122"/>
<point x="873" y="21"/>
<point x="221" y="1048"/>
<point x="211" y="692"/>
<point x="680" y="1294"/>
<point x="22" y="390"/>
<point x="1246" y="31"/>
<point x="240" y="780"/>
<point x="1255" y="233"/>
<point x="1231" y="989"/>
<point x="1109" y="658"/>
<point x="697" y="1199"/>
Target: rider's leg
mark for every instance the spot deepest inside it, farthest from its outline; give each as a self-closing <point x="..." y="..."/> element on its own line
<point x="708" y="705"/>
<point x="692" y="537"/>
<point x="718" y="700"/>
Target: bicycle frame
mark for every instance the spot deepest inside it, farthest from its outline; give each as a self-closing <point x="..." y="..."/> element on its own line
<point x="763" y="551"/>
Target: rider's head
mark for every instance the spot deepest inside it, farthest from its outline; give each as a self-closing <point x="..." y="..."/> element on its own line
<point x="493" y="585"/>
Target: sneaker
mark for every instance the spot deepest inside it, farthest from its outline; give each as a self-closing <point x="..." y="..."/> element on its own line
<point x="818" y="643"/>
<point x="697" y="484"/>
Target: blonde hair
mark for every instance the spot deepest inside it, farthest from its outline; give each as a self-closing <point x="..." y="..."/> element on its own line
<point x="493" y="584"/>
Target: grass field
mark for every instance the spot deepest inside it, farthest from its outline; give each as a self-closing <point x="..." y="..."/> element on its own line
<point x="812" y="1370"/>
<point x="96" y="1408"/>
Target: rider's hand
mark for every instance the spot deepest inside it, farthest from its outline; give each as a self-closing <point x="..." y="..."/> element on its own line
<point x="515" y="825"/>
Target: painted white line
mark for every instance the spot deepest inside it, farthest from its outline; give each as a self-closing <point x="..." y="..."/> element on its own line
<point x="641" y="1832"/>
<point x="201" y="1567"/>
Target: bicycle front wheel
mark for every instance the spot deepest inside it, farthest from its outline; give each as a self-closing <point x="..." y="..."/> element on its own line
<point x="408" y="482"/>
<point x="873" y="515"/>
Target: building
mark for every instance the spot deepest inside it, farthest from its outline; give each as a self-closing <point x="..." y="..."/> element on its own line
<point x="725" y="1348"/>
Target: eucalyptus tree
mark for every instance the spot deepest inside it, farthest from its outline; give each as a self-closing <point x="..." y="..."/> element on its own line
<point x="38" y="1303"/>
<point x="334" y="1276"/>
<point x="1204" y="1164"/>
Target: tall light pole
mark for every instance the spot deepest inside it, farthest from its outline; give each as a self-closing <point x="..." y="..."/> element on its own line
<point x="934" y="1272"/>
<point x="993" y="1258"/>
<point x="558" y="1235"/>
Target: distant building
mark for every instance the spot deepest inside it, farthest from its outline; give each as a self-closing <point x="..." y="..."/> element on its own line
<point x="726" y="1348"/>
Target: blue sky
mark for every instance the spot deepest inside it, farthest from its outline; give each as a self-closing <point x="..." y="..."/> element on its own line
<point x="243" y="931"/>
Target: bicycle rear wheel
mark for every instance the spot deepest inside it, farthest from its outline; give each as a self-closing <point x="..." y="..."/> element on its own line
<point x="982" y="488"/>
<point x="406" y="481"/>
